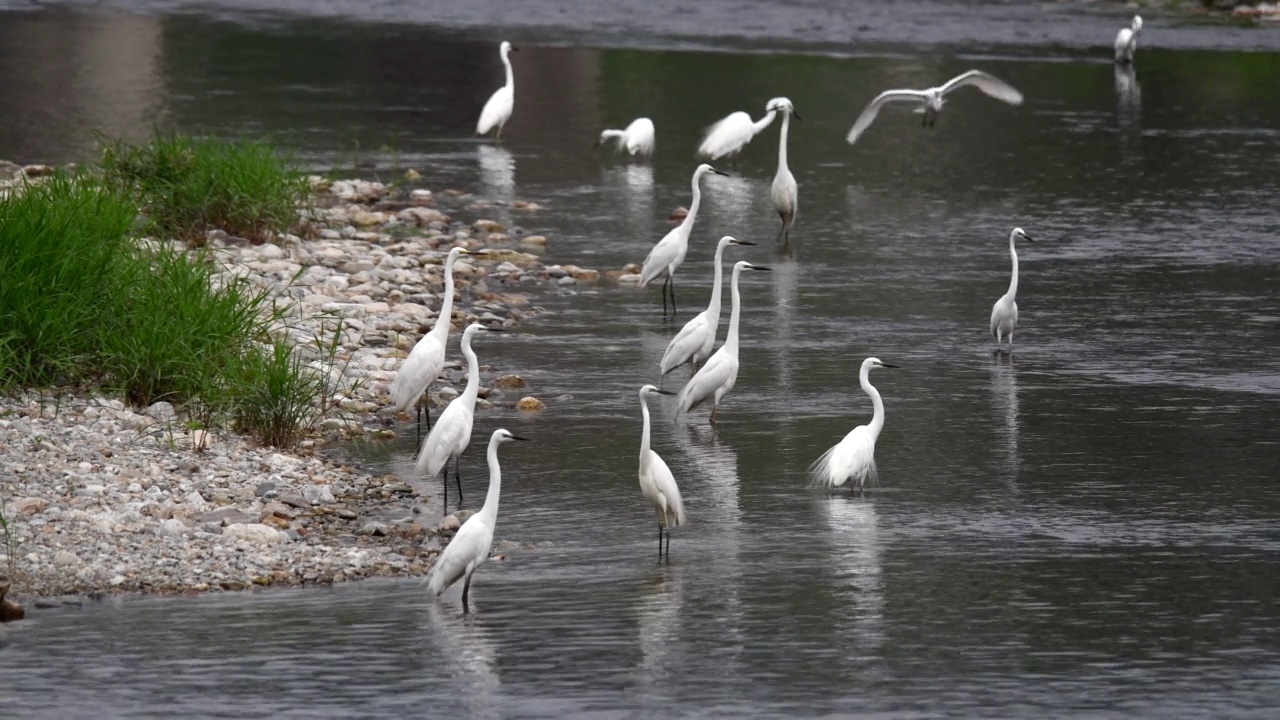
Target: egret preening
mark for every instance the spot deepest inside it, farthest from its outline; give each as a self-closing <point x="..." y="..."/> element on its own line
<point x="1004" y="315"/>
<point x="636" y="140"/>
<point x="730" y="135"/>
<point x="656" y="481"/>
<point x="854" y="457"/>
<point x="784" y="193"/>
<point x="502" y="102"/>
<point x="426" y="360"/>
<point x="1127" y="41"/>
<point x="694" y="342"/>
<point x="668" y="254"/>
<point x="930" y="101"/>
<point x="470" y="546"/>
<point x="717" y="377"/>
<point x="452" y="433"/>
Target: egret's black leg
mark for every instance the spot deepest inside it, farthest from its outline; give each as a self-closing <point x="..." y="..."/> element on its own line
<point x="668" y="547"/>
<point x="457" y="475"/>
<point x="466" y="589"/>
<point x="673" y="294"/>
<point x="659" y="543"/>
<point x="664" y="295"/>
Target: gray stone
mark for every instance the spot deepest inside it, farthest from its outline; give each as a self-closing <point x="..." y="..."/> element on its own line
<point x="163" y="412"/>
<point x="226" y="515"/>
<point x="294" y="500"/>
<point x="65" y="558"/>
<point x="264" y="488"/>
<point x="318" y="495"/>
<point x="375" y="528"/>
<point x="346" y="513"/>
<point x="173" y="527"/>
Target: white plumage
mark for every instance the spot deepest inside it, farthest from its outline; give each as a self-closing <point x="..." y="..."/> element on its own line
<point x="930" y="101"/>
<point x="854" y="457"/>
<point x="668" y="254"/>
<point x="637" y="139"/>
<point x="784" y="192"/>
<point x="470" y="546"/>
<point x="452" y="432"/>
<point x="657" y="484"/>
<point x="497" y="111"/>
<point x="694" y="342"/>
<point x="729" y="135"/>
<point x="1127" y="41"/>
<point x="426" y="360"/>
<point x="1004" y="314"/>
<point x="715" y="379"/>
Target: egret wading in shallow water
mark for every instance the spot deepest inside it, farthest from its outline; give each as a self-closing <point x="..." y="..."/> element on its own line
<point x="452" y="433"/>
<point x="930" y="101"/>
<point x="1004" y="315"/>
<point x="730" y="135"/>
<point x="694" y="342"/>
<point x="470" y="546"/>
<point x="656" y="481"/>
<point x="1127" y="41"/>
<point x="717" y="377"/>
<point x="668" y="254"/>
<point x="784" y="193"/>
<point x="637" y="140"/>
<point x="854" y="457"/>
<point x="426" y="360"/>
<point x="502" y="102"/>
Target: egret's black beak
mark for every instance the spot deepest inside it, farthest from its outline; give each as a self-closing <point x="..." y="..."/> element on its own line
<point x="720" y="173"/>
<point x="494" y="329"/>
<point x="665" y="392"/>
<point x="516" y="49"/>
<point x="1028" y="237"/>
<point x="765" y="268"/>
<point x="743" y="242"/>
<point x="597" y="144"/>
<point x="895" y="367"/>
<point x="517" y="437"/>
<point x="796" y="115"/>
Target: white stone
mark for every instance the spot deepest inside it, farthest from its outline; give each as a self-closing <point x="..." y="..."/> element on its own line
<point x="318" y="494"/>
<point x="254" y="533"/>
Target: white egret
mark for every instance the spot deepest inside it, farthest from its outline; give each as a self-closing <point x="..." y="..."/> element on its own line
<point x="502" y="102"/>
<point x="452" y="433"/>
<point x="694" y="342"/>
<point x="637" y="139"/>
<point x="470" y="546"/>
<point x="930" y="101"/>
<point x="1004" y="314"/>
<point x="1127" y="41"/>
<point x="426" y="360"/>
<point x="656" y="481"/>
<point x="854" y="457"/>
<point x="668" y="254"/>
<point x="784" y="193"/>
<point x="718" y="376"/>
<point x="731" y="134"/>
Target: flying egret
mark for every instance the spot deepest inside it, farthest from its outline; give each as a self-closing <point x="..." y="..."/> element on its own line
<point x="1127" y="41"/>
<point x="731" y="134"/>
<point x="656" y="481"/>
<point x="717" y="377"/>
<point x="785" y="194"/>
<point x="854" y="457"/>
<point x="930" y="101"/>
<point x="502" y="102"/>
<point x="637" y="139"/>
<point x="694" y="342"/>
<point x="426" y="360"/>
<point x="470" y="546"/>
<point x="669" y="253"/>
<point x="1004" y="314"/>
<point x="452" y="433"/>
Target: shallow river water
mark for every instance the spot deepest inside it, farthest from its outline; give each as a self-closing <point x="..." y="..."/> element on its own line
<point x="1088" y="527"/>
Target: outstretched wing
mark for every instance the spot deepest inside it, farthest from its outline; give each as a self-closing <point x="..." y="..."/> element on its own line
<point x="868" y="115"/>
<point x="989" y="84"/>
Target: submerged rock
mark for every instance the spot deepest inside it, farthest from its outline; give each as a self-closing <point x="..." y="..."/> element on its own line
<point x="530" y="403"/>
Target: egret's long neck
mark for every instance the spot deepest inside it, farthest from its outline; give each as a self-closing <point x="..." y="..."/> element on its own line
<point x="644" y="436"/>
<point x="1013" y="279"/>
<point x="713" y="308"/>
<point x="877" y="418"/>
<point x="762" y="123"/>
<point x="731" y="340"/>
<point x="445" y="318"/>
<point x="473" y="370"/>
<point x="687" y="223"/>
<point x="613" y="134"/>
<point x="511" y="76"/>
<point x="782" y="140"/>
<point x="490" y="509"/>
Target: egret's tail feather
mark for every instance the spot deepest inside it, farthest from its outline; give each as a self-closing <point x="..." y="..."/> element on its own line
<point x="821" y="474"/>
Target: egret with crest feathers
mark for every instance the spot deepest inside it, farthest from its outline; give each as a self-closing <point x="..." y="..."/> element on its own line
<point x="854" y="457"/>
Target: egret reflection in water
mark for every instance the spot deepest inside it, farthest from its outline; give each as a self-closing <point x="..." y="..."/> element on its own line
<point x="658" y="614"/>
<point x="473" y="665"/>
<point x="1128" y="96"/>
<point x="498" y="176"/>
<point x="1004" y="402"/>
<point x="853" y="534"/>
<point x="634" y="184"/>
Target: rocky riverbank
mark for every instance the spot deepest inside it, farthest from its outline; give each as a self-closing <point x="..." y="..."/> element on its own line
<point x="102" y="498"/>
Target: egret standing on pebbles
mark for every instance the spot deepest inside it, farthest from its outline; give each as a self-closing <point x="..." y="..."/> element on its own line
<point x="854" y="457"/>
<point x="718" y="376"/>
<point x="470" y="546"/>
<point x="452" y="433"/>
<point x="694" y="342"/>
<point x="730" y="135"/>
<point x="1004" y="315"/>
<point x="668" y="254"/>
<point x="930" y="101"/>
<point x="637" y="139"/>
<point x="1127" y="41"/>
<point x="656" y="481"/>
<point x="785" y="194"/>
<point x="502" y="102"/>
<point x="426" y="360"/>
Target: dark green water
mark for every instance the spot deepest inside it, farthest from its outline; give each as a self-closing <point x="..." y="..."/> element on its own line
<point x="1087" y="529"/>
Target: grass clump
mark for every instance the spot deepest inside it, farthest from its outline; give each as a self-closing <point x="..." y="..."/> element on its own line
<point x="188" y="186"/>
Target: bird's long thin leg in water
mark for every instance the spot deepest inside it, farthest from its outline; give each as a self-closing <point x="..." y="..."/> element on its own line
<point x="457" y="475"/>
<point x="672" y="280"/>
<point x="445" y="475"/>
<point x="668" y="547"/>
<point x="714" y="408"/>
<point x="664" y="295"/>
<point x="659" y="543"/>
<point x="466" y="590"/>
